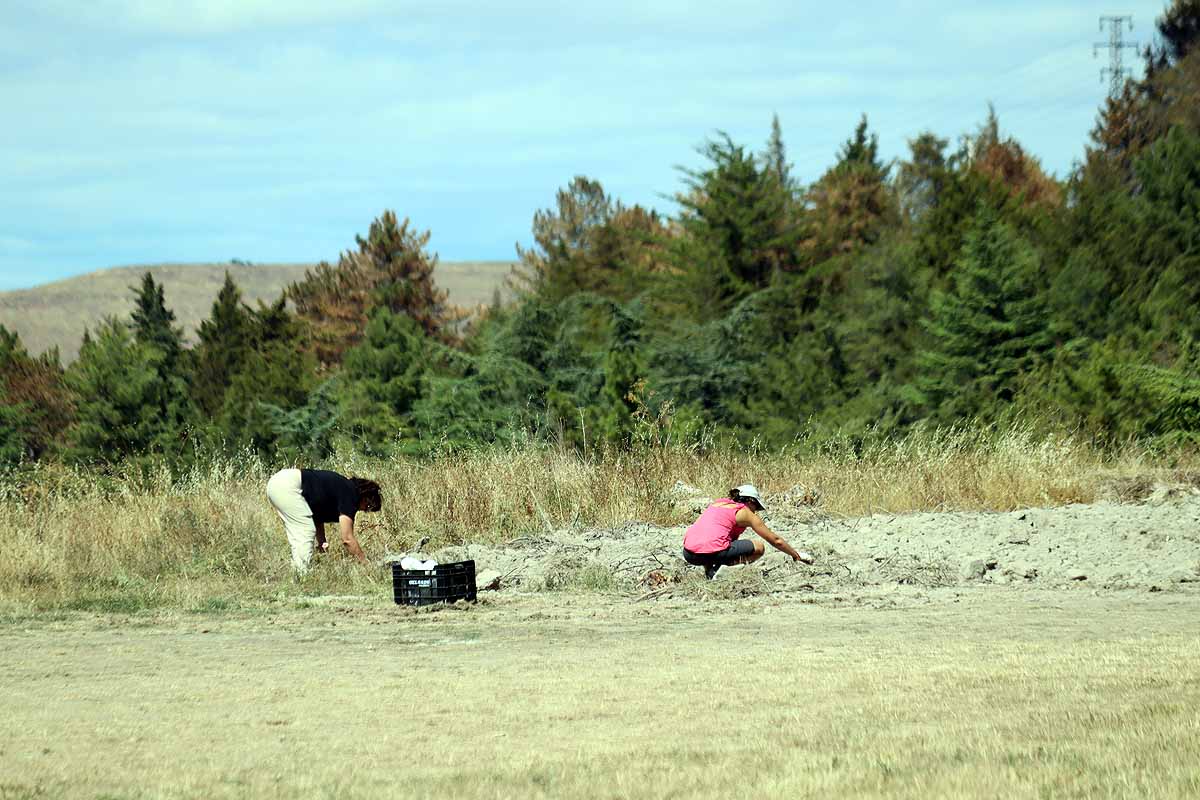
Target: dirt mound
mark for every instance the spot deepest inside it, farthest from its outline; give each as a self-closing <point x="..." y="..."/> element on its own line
<point x="1153" y="545"/>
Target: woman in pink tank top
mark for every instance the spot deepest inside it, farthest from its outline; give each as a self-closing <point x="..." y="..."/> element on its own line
<point x="712" y="541"/>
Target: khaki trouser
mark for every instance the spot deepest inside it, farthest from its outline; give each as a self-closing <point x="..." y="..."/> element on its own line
<point x="283" y="490"/>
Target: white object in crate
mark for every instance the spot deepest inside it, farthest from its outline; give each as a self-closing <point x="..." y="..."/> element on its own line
<point x="417" y="565"/>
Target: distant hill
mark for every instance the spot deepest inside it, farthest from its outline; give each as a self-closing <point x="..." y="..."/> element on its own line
<point x="57" y="313"/>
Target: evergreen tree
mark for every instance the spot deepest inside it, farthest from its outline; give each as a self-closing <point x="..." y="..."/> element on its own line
<point x="736" y="225"/>
<point x="775" y="159"/>
<point x="36" y="396"/>
<point x="154" y="323"/>
<point x="225" y="340"/>
<point x="1003" y="161"/>
<point x="589" y="243"/>
<point x="921" y="180"/>
<point x="861" y="151"/>
<point x="851" y="206"/>
<point x="382" y="378"/>
<point x="488" y="399"/>
<point x="118" y="395"/>
<point x="304" y="435"/>
<point x="1168" y="216"/>
<point x="622" y="372"/>
<point x="1108" y="390"/>
<point x="154" y="327"/>
<point x="988" y="330"/>
<point x="1167" y="95"/>
<point x="1179" y="27"/>
<point x="276" y="377"/>
<point x="14" y="420"/>
<point x="390" y="269"/>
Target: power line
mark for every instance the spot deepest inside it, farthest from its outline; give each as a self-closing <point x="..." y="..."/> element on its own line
<point x="1116" y="45"/>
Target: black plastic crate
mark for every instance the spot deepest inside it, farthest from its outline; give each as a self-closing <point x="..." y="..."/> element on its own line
<point x="445" y="583"/>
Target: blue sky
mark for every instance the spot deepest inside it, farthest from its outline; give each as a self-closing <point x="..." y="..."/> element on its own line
<point x="145" y="131"/>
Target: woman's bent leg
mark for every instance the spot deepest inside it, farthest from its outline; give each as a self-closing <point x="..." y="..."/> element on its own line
<point x="754" y="555"/>
<point x="283" y="490"/>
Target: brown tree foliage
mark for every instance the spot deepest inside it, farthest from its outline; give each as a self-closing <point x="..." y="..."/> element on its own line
<point x="589" y="242"/>
<point x="390" y="268"/>
<point x="848" y="209"/>
<point x="1003" y="160"/>
<point x="37" y="385"/>
<point x="851" y="205"/>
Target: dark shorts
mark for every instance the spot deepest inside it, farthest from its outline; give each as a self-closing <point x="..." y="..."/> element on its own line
<point x="724" y="558"/>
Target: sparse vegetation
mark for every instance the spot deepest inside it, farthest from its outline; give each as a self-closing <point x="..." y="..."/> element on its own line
<point x="143" y="538"/>
<point x="589" y="696"/>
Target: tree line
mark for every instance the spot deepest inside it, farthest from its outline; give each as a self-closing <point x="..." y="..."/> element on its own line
<point x="960" y="284"/>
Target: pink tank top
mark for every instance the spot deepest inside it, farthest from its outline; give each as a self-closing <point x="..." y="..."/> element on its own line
<point x="716" y="529"/>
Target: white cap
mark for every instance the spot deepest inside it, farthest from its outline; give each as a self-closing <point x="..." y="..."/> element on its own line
<point x="748" y="490"/>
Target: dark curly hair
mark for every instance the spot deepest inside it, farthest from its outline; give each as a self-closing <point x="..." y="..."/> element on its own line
<point x="368" y="490"/>
<point x="736" y="497"/>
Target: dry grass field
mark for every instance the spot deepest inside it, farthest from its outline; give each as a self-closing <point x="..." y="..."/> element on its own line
<point x="56" y="314"/>
<point x="153" y="643"/>
<point x="85" y="540"/>
<point x="983" y="693"/>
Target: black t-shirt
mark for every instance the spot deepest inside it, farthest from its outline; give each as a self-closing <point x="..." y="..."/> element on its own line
<point x="328" y="494"/>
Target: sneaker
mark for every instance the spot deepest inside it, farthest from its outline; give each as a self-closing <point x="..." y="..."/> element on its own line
<point x="710" y="571"/>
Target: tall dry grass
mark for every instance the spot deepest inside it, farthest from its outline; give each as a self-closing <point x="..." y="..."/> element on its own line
<point x="122" y="542"/>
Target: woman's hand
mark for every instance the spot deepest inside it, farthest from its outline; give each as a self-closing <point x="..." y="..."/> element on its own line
<point x="803" y="557"/>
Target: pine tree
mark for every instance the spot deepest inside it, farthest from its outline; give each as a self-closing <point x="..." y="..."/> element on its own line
<point x="988" y="330"/>
<point x="1179" y="27"/>
<point x="851" y="206"/>
<point x="737" y="229"/>
<point x="622" y="372"/>
<point x="390" y="269"/>
<point x="225" y="340"/>
<point x="36" y="395"/>
<point x="382" y="378"/>
<point x="775" y="159"/>
<point x="861" y="151"/>
<point x="14" y="421"/>
<point x="278" y="373"/>
<point x="154" y="327"/>
<point x="1002" y="160"/>
<point x="118" y="396"/>
<point x="154" y="323"/>
<point x="589" y="243"/>
<point x="1168" y="216"/>
<point x="921" y="180"/>
<point x="564" y="239"/>
<point x="305" y="435"/>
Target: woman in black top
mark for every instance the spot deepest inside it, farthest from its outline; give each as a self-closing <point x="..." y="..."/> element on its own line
<point x="308" y="499"/>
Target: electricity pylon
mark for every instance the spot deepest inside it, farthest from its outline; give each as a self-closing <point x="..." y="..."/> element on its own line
<point x="1116" y="43"/>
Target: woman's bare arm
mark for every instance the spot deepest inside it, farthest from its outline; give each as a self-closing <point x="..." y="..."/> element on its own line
<point x="346" y="526"/>
<point x="753" y="521"/>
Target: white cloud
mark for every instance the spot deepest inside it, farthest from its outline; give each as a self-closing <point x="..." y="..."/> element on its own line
<point x="199" y="117"/>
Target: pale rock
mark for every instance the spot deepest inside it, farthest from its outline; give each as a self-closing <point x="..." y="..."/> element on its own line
<point x="974" y="569"/>
<point x="488" y="579"/>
